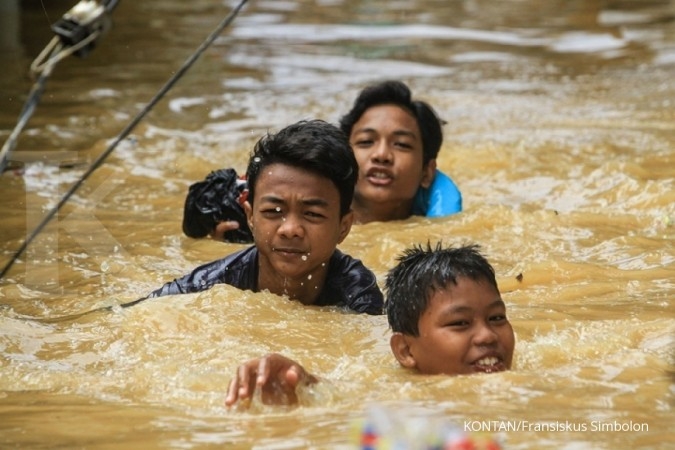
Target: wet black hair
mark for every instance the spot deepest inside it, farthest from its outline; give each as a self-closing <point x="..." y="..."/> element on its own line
<point x="397" y="93"/>
<point x="313" y="145"/>
<point x="420" y="272"/>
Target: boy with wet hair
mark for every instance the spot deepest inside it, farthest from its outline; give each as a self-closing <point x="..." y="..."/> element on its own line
<point x="394" y="92"/>
<point x="396" y="141"/>
<point x="301" y="183"/>
<point x="446" y="314"/>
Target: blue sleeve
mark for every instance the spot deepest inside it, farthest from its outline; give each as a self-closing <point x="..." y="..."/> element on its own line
<point x="442" y="198"/>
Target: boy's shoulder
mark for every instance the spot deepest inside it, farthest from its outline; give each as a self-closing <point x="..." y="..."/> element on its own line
<point x="238" y="269"/>
<point x="441" y="199"/>
<point x="340" y="261"/>
<point x="349" y="282"/>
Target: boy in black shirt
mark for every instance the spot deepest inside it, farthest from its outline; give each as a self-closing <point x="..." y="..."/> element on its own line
<point x="301" y="184"/>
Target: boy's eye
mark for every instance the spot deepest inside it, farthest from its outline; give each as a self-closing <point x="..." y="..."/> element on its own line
<point x="498" y="318"/>
<point x="314" y="215"/>
<point x="458" y="323"/>
<point x="271" y="211"/>
<point x="363" y="143"/>
<point x="404" y="145"/>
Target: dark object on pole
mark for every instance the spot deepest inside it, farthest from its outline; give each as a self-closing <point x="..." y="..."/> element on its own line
<point x="86" y="18"/>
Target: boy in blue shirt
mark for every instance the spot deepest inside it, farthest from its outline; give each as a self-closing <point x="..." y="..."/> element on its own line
<point x="395" y="140"/>
<point x="300" y="188"/>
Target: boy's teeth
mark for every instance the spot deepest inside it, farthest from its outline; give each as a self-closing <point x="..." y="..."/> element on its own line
<point x="489" y="361"/>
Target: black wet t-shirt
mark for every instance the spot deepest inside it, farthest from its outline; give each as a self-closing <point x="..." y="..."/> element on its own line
<point x="348" y="282"/>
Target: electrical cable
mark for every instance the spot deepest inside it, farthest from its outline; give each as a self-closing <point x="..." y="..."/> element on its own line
<point x="124" y="133"/>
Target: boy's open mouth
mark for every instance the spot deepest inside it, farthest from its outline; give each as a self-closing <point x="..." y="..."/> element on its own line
<point x="489" y="364"/>
<point x="379" y="177"/>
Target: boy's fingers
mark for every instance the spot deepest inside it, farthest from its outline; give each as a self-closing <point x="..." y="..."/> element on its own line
<point x="244" y="381"/>
<point x="263" y="372"/>
<point x="293" y="376"/>
<point x="232" y="389"/>
<point x="221" y="228"/>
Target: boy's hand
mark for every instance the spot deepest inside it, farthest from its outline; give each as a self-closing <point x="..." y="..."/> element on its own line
<point x="275" y="375"/>
<point x="221" y="228"/>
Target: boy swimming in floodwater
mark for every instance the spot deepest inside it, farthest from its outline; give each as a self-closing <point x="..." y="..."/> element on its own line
<point x="446" y="315"/>
<point x="301" y="183"/>
<point x="395" y="139"/>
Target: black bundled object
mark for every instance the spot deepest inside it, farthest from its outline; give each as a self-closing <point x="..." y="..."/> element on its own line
<point x="218" y="198"/>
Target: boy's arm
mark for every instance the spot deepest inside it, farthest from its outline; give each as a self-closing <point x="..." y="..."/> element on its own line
<point x="275" y="375"/>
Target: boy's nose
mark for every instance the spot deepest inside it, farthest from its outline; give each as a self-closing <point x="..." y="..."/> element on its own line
<point x="291" y="226"/>
<point x="382" y="152"/>
<point x="485" y="335"/>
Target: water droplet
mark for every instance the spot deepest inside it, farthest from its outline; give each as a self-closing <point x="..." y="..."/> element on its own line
<point x="304" y="257"/>
<point x="105" y="267"/>
<point x="309" y="277"/>
<point x="277" y="209"/>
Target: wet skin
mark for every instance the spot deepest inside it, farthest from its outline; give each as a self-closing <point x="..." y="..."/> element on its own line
<point x="388" y="148"/>
<point x="296" y="225"/>
<point x="464" y="330"/>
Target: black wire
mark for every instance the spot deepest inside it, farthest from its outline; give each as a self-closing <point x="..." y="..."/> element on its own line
<point x="125" y="132"/>
<point x="26" y="112"/>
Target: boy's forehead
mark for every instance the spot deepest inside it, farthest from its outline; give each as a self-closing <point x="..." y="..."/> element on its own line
<point x="465" y="287"/>
<point x="279" y="178"/>
<point x="474" y="279"/>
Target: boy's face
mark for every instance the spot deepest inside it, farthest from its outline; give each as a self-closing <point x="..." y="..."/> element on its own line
<point x="387" y="143"/>
<point x="464" y="330"/>
<point x="296" y="224"/>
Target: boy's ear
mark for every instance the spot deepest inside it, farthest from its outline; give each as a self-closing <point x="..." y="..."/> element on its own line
<point x="248" y="209"/>
<point x="401" y="350"/>
<point x="345" y="225"/>
<point x="429" y="172"/>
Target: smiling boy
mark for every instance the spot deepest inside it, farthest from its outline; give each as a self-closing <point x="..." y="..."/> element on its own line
<point x="446" y="314"/>
<point x="301" y="183"/>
